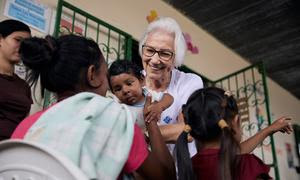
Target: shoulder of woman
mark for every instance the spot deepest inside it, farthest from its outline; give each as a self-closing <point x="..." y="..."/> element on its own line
<point x="190" y="79"/>
<point x="21" y="82"/>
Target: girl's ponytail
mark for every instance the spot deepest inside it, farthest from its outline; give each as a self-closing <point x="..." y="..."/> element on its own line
<point x="229" y="148"/>
<point x="39" y="54"/>
<point x="228" y="155"/>
<point x="184" y="162"/>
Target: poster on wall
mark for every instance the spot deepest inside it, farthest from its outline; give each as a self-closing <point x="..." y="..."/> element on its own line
<point x="289" y="155"/>
<point x="31" y="12"/>
<point x="20" y="70"/>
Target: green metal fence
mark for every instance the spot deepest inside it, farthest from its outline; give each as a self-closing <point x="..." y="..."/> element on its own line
<point x="113" y="42"/>
<point x="250" y="89"/>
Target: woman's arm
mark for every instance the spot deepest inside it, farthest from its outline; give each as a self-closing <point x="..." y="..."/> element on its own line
<point x="171" y="132"/>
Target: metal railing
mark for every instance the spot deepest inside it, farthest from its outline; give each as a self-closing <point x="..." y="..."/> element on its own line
<point x="113" y="42"/>
<point x="70" y="19"/>
<point x="250" y="89"/>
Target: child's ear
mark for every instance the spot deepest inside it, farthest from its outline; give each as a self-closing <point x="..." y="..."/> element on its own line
<point x="142" y="80"/>
<point x="93" y="77"/>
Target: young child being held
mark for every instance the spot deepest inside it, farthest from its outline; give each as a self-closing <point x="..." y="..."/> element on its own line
<point x="211" y="118"/>
<point x="126" y="82"/>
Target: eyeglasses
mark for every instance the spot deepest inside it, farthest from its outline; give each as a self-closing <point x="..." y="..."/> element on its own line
<point x="163" y="54"/>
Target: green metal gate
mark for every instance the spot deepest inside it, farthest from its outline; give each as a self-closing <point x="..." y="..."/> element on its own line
<point x="249" y="87"/>
<point x="113" y="42"/>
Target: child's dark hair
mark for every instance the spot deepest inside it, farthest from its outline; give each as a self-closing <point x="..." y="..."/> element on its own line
<point x="9" y="26"/>
<point x="61" y="63"/>
<point x="202" y="112"/>
<point x="124" y="66"/>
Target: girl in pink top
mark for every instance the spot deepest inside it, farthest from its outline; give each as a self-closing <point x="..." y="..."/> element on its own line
<point x="72" y="64"/>
<point x="137" y="155"/>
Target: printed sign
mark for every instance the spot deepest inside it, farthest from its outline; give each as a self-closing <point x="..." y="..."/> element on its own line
<point x="30" y="12"/>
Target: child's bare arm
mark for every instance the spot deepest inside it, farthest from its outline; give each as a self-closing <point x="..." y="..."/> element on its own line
<point x="159" y="164"/>
<point x="282" y="124"/>
<point x="155" y="109"/>
<point x="166" y="101"/>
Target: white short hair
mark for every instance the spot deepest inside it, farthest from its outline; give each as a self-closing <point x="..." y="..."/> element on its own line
<point x="170" y="25"/>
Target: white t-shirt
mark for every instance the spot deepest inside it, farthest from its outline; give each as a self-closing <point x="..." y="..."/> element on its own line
<point x="182" y="85"/>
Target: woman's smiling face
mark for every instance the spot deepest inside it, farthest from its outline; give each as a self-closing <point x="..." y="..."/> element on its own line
<point x="157" y="68"/>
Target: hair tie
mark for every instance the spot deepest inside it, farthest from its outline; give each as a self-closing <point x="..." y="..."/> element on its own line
<point x="228" y="93"/>
<point x="187" y="128"/>
<point x="222" y="124"/>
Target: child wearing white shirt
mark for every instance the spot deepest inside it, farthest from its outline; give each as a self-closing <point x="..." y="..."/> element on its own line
<point x="126" y="83"/>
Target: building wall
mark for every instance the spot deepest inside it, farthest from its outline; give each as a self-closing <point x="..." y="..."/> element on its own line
<point x="213" y="61"/>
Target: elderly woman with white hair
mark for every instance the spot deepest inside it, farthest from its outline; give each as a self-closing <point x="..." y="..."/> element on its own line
<point x="162" y="49"/>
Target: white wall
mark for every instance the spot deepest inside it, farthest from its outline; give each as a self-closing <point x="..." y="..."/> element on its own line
<point x="213" y="61"/>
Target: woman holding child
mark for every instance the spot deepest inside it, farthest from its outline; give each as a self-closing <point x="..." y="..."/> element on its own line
<point x="162" y="49"/>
